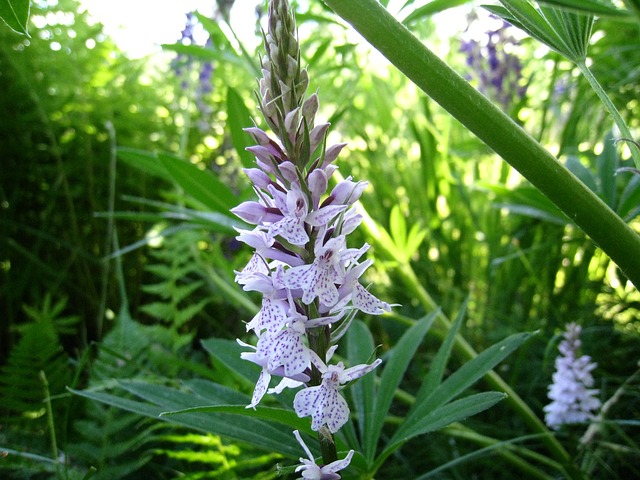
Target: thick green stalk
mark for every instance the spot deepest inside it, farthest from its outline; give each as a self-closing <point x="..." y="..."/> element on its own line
<point x="496" y="129"/>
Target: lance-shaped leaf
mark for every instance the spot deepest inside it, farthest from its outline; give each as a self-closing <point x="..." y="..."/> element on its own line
<point x="15" y="13"/>
<point x="566" y="32"/>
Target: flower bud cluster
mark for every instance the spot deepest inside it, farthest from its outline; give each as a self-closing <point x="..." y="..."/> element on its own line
<point x="572" y="398"/>
<point x="308" y="277"/>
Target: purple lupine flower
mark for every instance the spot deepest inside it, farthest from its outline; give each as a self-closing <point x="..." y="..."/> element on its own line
<point x="185" y="66"/>
<point x="572" y="398"/>
<point x="491" y="60"/>
<point x="311" y="471"/>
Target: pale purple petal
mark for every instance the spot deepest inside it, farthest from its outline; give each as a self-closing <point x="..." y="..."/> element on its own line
<point x="358" y="371"/>
<point x="291" y="229"/>
<point x="271" y="317"/>
<point x="366" y="302"/>
<point x="338" y="464"/>
<point x="324" y="405"/>
<point x="324" y="215"/>
<point x="332" y="153"/>
<point x="250" y="212"/>
<point x="261" y="388"/>
<point x="317" y="186"/>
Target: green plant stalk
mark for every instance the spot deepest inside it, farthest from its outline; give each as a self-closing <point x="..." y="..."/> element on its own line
<point x="50" y="424"/>
<point x="611" y="108"/>
<point x="496" y="129"/>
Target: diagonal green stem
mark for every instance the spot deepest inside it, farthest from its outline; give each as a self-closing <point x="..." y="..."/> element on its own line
<point x="611" y="108"/>
<point x="496" y="129"/>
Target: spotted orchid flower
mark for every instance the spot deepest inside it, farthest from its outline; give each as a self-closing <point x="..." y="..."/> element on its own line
<point x="311" y="471"/>
<point x="324" y="403"/>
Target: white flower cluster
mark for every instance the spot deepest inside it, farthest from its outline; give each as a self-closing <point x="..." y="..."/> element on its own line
<point x="572" y="398"/>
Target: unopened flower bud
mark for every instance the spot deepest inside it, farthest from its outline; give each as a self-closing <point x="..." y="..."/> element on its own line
<point x="332" y="153"/>
<point x="316" y="136"/>
<point x="258" y="177"/>
<point x="310" y="108"/>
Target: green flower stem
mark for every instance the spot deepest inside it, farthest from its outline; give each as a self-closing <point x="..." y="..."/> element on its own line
<point x="50" y="423"/>
<point x="496" y="129"/>
<point x="611" y="108"/>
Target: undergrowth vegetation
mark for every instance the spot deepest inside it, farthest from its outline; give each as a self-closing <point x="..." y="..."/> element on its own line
<point x="118" y="252"/>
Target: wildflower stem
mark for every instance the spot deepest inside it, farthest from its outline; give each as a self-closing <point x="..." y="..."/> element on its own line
<point x="496" y="129"/>
<point x="611" y="108"/>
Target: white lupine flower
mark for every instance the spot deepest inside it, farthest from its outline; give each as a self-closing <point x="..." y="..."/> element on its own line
<point x="572" y="398"/>
<point x="311" y="471"/>
<point x="324" y="403"/>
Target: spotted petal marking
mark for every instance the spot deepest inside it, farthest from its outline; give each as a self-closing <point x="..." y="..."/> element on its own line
<point x="291" y="229"/>
<point x="325" y="406"/>
<point x="261" y="387"/>
<point x="314" y="281"/>
<point x="271" y="317"/>
<point x="285" y="349"/>
<point x="366" y="302"/>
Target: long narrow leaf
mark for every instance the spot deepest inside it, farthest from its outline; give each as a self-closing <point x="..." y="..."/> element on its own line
<point x="439" y="418"/>
<point x="199" y="184"/>
<point x="238" y="117"/>
<point x="463" y="378"/>
<point x="249" y="430"/>
<point x="15" y="13"/>
<point x="398" y="361"/>
<point x="359" y="348"/>
<point x="437" y="368"/>
<point x="591" y="7"/>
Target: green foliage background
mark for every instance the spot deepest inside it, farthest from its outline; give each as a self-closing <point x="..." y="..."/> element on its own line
<point x="116" y="266"/>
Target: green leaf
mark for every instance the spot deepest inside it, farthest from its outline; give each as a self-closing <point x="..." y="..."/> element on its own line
<point x="439" y="363"/>
<point x="238" y="117"/>
<point x="462" y="379"/>
<point x="279" y="415"/>
<point x="15" y="13"/>
<point x="455" y="411"/>
<point x="359" y="349"/>
<point x="201" y="185"/>
<point x="227" y="354"/>
<point x="145" y="161"/>
<point x="431" y="8"/>
<point x="607" y="164"/>
<point x="628" y="206"/>
<point x="592" y="7"/>
<point x="398" y="359"/>
<point x="159" y="399"/>
<point x="582" y="172"/>
<point x="398" y="226"/>
<point x="566" y="32"/>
